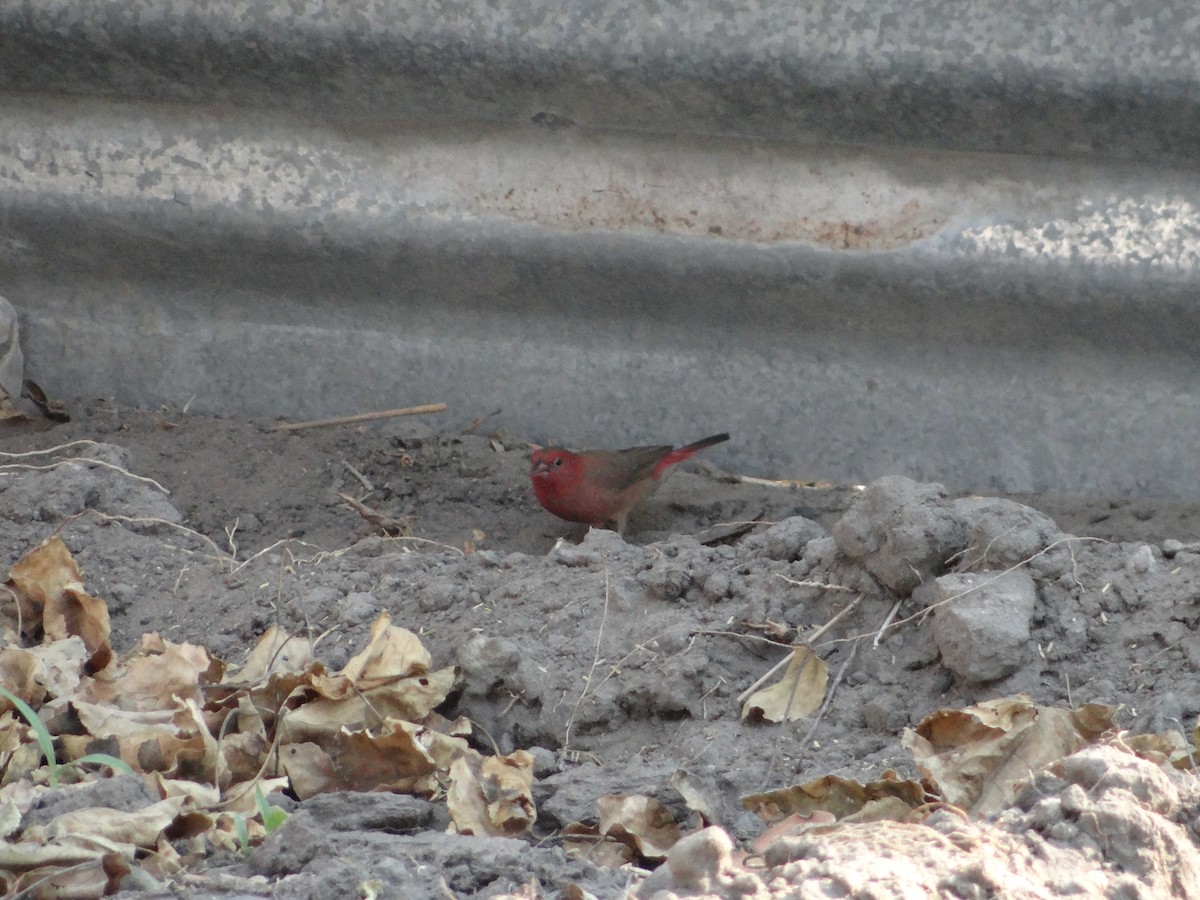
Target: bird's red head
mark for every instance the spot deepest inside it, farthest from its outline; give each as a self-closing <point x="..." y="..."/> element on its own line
<point x="550" y="464"/>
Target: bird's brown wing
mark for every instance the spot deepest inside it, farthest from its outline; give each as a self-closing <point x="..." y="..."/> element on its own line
<point x="617" y="470"/>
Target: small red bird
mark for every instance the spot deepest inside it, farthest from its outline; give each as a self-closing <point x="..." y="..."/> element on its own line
<point x="602" y="486"/>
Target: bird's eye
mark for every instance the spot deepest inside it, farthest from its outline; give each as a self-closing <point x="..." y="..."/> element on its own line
<point x="558" y="462"/>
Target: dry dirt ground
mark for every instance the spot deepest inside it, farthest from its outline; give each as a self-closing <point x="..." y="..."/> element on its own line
<point x="619" y="663"/>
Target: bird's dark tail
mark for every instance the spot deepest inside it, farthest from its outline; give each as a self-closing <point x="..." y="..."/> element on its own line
<point x="704" y="442"/>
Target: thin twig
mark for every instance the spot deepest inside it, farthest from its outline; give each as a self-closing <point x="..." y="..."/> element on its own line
<point x="85" y="441"/>
<point x="220" y="555"/>
<point x="587" y="681"/>
<point x="359" y="475"/>
<point x="886" y="622"/>
<point x="795" y="483"/>
<point x="420" y="540"/>
<point x="282" y="542"/>
<point x="823" y="585"/>
<point x="837" y="679"/>
<point x="364" y="417"/>
<point x="808" y="640"/>
<point x="390" y="526"/>
<point x="86" y="461"/>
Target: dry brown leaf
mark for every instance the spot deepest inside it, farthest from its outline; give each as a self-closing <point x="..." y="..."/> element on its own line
<point x="392" y="653"/>
<point x="410" y="699"/>
<point x="585" y="842"/>
<point x="24" y="759"/>
<point x="276" y="652"/>
<point x="239" y="798"/>
<point x="491" y="795"/>
<point x="243" y="755"/>
<point x="840" y="797"/>
<point x="63" y="665"/>
<point x="24" y="675"/>
<point x="201" y="795"/>
<point x="310" y="769"/>
<point x="391" y="758"/>
<point x="49" y="590"/>
<point x="245" y="749"/>
<point x="139" y="827"/>
<point x="153" y="676"/>
<point x="977" y="757"/>
<point x="98" y="878"/>
<point x="701" y="795"/>
<point x="203" y="766"/>
<point x="101" y="721"/>
<point x="14" y="731"/>
<point x="797" y="694"/>
<point x="74" y="612"/>
<point x="442" y="748"/>
<point x="1168" y="748"/>
<point x="40" y="575"/>
<point x="21" y="856"/>
<point x="641" y="821"/>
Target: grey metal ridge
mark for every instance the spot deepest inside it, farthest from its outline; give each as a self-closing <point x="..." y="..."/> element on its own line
<point x="1117" y="79"/>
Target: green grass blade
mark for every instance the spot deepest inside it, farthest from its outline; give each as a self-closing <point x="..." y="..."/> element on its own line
<point x="45" y="742"/>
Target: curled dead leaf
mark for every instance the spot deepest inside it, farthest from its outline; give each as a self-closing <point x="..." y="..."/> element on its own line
<point x="491" y="795"/>
<point x="23" y="674"/>
<point x="276" y="652"/>
<point x="640" y="821"/>
<point x="586" y="842"/>
<point x="74" y="612"/>
<point x="40" y="575"/>
<point x="842" y="798"/>
<point x="797" y="694"/>
<point x="977" y="757"/>
<point x="52" y="603"/>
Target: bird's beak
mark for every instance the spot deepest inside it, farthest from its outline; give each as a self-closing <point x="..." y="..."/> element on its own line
<point x="540" y="468"/>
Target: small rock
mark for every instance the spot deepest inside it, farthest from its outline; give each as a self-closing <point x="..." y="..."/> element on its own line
<point x="370" y="811"/>
<point x="697" y="861"/>
<point x="440" y="594"/>
<point x="748" y="826"/>
<point x="716" y="587"/>
<point x="496" y="666"/>
<point x="1140" y="561"/>
<point x="982" y="623"/>
<point x="903" y="532"/>
<point x="1098" y="770"/>
<point x="787" y="540"/>
<point x="357" y="607"/>
<point x="545" y="762"/>
<point x="1170" y="547"/>
<point x="597" y="545"/>
<point x="885" y="714"/>
<point x="666" y="580"/>
<point x="1074" y="801"/>
<point x="1046" y="813"/>
<point x="1002" y="533"/>
<point x="319" y="600"/>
